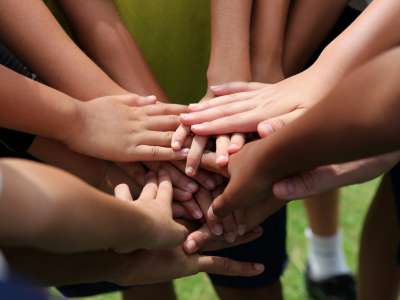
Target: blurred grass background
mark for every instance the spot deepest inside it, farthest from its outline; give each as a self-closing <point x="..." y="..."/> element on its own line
<point x="174" y="37"/>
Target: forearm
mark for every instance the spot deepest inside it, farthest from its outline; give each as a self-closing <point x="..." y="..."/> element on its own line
<point x="230" y="41"/>
<point x="268" y="38"/>
<point x="370" y="34"/>
<point x="60" y="63"/>
<point x="309" y="23"/>
<point x="35" y="108"/>
<point x="358" y="119"/>
<point x="104" y="37"/>
<point x="57" y="212"/>
<point x="55" y="270"/>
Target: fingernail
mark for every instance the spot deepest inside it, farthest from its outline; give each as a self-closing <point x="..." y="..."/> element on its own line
<point x="267" y="129"/>
<point x="216" y="88"/>
<point x="280" y="190"/>
<point x="222" y="159"/>
<point x="190" y="245"/>
<point x="194" y="106"/>
<point x="193" y="187"/>
<point x="184" y="152"/>
<point x="189" y="171"/>
<point x="259" y="267"/>
<point x="289" y="186"/>
<point x="176" y="145"/>
<point x="241" y="230"/>
<point x="217" y="229"/>
<point x="210" y="184"/>
<point x="230" y="237"/>
<point x="197" y="214"/>
<point x="198" y="126"/>
<point x="151" y="97"/>
<point x="233" y="148"/>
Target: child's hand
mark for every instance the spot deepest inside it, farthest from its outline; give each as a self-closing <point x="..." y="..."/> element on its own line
<point x="148" y="267"/>
<point x="155" y="202"/>
<point x="115" y="128"/>
<point x="203" y="240"/>
<point x="243" y="106"/>
<point x="225" y="144"/>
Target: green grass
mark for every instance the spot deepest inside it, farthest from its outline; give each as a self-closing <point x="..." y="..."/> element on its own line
<point x="355" y="201"/>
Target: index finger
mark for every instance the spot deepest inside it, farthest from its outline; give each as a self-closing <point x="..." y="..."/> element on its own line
<point x="165" y="190"/>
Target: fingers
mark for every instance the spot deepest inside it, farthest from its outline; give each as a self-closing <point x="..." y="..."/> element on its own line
<point x="242" y="122"/>
<point x="218" y="101"/>
<point x="222" y="145"/>
<point x="228" y="267"/>
<point x="237" y="142"/>
<point x="209" y="162"/>
<point x="216" y="112"/>
<point x="229" y="223"/>
<point x="163" y="123"/>
<point x="165" y="192"/>
<point x="122" y="192"/>
<point x="150" y="189"/>
<point x="202" y="240"/>
<point x="180" y="195"/>
<point x="204" y="199"/>
<point x="135" y="171"/>
<point x="194" y="156"/>
<point x="156" y="153"/>
<point x="165" y="109"/>
<point x="236" y="87"/>
<point x="157" y="138"/>
<point x="193" y="209"/>
<point x="179" y="212"/>
<point x="179" y="137"/>
<point x="202" y="177"/>
<point x="179" y="179"/>
<point x="268" y="127"/>
<point x="136" y="100"/>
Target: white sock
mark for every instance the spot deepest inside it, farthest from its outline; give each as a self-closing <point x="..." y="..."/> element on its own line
<point x="325" y="256"/>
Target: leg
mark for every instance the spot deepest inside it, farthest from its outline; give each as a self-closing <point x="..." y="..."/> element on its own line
<point x="379" y="272"/>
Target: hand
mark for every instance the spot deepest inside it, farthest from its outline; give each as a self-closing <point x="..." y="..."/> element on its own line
<point x="115" y="128"/>
<point x="252" y="103"/>
<point x="148" y="267"/>
<point x="330" y="177"/>
<point x="203" y="240"/>
<point x="249" y="183"/>
<point x="224" y="145"/>
<point x="155" y="202"/>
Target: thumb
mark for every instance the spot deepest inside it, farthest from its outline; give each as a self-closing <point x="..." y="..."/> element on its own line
<point x="226" y="203"/>
<point x="136" y="100"/>
<point x="235" y="87"/>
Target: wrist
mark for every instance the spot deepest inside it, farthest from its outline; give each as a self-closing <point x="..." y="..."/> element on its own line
<point x="72" y="123"/>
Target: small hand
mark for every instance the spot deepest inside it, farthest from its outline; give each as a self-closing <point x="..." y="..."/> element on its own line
<point x="155" y="202"/>
<point x="244" y="105"/>
<point x="117" y="128"/>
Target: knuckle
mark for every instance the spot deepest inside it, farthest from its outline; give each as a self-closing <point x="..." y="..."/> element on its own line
<point x="155" y="153"/>
<point x="227" y="266"/>
<point x="308" y="181"/>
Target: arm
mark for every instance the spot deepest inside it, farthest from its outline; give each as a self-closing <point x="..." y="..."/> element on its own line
<point x="59" y="62"/>
<point x="104" y="37"/>
<point x="309" y="23"/>
<point x="53" y="222"/>
<point x="345" y="130"/>
<point x="268" y="39"/>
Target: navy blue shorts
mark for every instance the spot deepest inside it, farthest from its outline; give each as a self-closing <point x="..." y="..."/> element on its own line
<point x="395" y="179"/>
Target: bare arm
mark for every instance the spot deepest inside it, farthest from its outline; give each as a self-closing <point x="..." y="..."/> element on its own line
<point x="268" y="39"/>
<point x="309" y="23"/>
<point x="104" y="37"/>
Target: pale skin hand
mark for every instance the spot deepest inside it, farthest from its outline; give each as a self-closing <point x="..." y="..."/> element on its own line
<point x="156" y="202"/>
<point x="326" y="178"/>
<point x="129" y="133"/>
